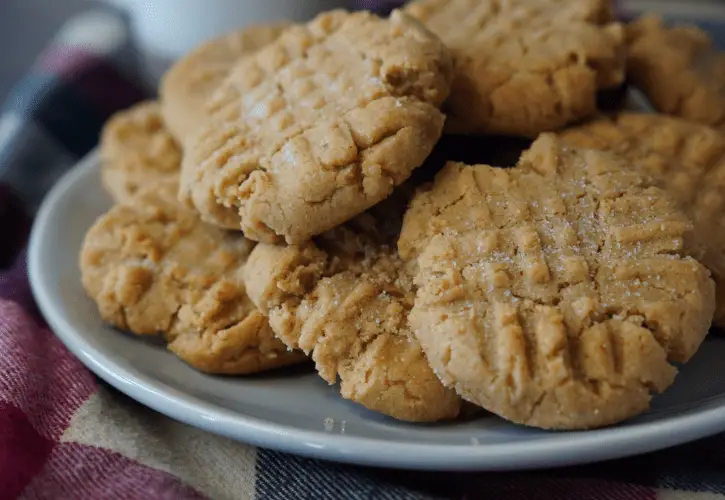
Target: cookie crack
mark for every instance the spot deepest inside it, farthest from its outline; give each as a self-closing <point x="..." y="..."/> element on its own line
<point x="535" y="406"/>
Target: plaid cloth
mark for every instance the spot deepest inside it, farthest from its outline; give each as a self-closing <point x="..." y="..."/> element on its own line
<point x="64" y="434"/>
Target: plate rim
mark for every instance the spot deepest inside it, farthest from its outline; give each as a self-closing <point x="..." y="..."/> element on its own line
<point x="558" y="449"/>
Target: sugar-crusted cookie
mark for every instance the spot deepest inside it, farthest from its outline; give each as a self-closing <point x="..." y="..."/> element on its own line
<point x="318" y="126"/>
<point x="557" y="293"/>
<point x="153" y="268"/>
<point x="525" y="66"/>
<point x="136" y="151"/>
<point x="684" y="158"/>
<point x="191" y="80"/>
<point x="345" y="299"/>
<point x="678" y="69"/>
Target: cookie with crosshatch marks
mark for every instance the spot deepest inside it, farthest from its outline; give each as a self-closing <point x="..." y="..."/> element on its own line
<point x="318" y="126"/>
<point x="188" y="84"/>
<point x="685" y="159"/>
<point x="525" y="66"/>
<point x="678" y="70"/>
<point x="137" y="151"/>
<point x="153" y="267"/>
<point x="557" y="293"/>
<point x="344" y="298"/>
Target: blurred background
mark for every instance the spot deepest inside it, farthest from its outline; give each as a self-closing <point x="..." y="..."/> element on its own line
<point x="26" y="26"/>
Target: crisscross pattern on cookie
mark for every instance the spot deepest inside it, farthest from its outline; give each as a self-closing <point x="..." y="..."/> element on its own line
<point x="525" y="66"/>
<point x="678" y="69"/>
<point x="557" y="293"/>
<point x="137" y="151"/>
<point x="319" y="126"/>
<point x="153" y="268"/>
<point x="685" y="159"/>
<point x="190" y="82"/>
<point x="345" y="300"/>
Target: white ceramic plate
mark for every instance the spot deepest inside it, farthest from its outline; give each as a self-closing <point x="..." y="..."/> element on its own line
<point x="295" y="411"/>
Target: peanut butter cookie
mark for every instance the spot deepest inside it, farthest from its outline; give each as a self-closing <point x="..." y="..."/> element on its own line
<point x="190" y="82"/>
<point x="153" y="268"/>
<point x="345" y="299"/>
<point x="678" y="70"/>
<point x="525" y="66"/>
<point x="136" y="151"/>
<point x="685" y="159"/>
<point x="318" y="126"/>
<point x="558" y="293"/>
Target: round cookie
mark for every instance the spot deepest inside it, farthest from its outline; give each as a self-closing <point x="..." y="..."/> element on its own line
<point x="678" y="70"/>
<point x="187" y="85"/>
<point x="525" y="66"/>
<point x="318" y="126"/>
<point x="344" y="299"/>
<point x="137" y="151"/>
<point x="558" y="293"/>
<point x="685" y="159"/>
<point x="153" y="268"/>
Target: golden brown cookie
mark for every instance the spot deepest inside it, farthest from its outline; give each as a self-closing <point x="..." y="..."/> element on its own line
<point x="525" y="66"/>
<point x="678" y="70"/>
<point x="153" y="268"/>
<point x="192" y="79"/>
<point x="344" y="299"/>
<point x="137" y="151"/>
<point x="318" y="126"/>
<point x="558" y="293"/>
<point x="685" y="159"/>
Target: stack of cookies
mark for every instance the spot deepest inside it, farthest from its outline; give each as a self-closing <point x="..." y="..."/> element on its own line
<point x="293" y="196"/>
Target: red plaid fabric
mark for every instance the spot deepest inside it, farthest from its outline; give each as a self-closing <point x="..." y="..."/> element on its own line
<point x="43" y="390"/>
